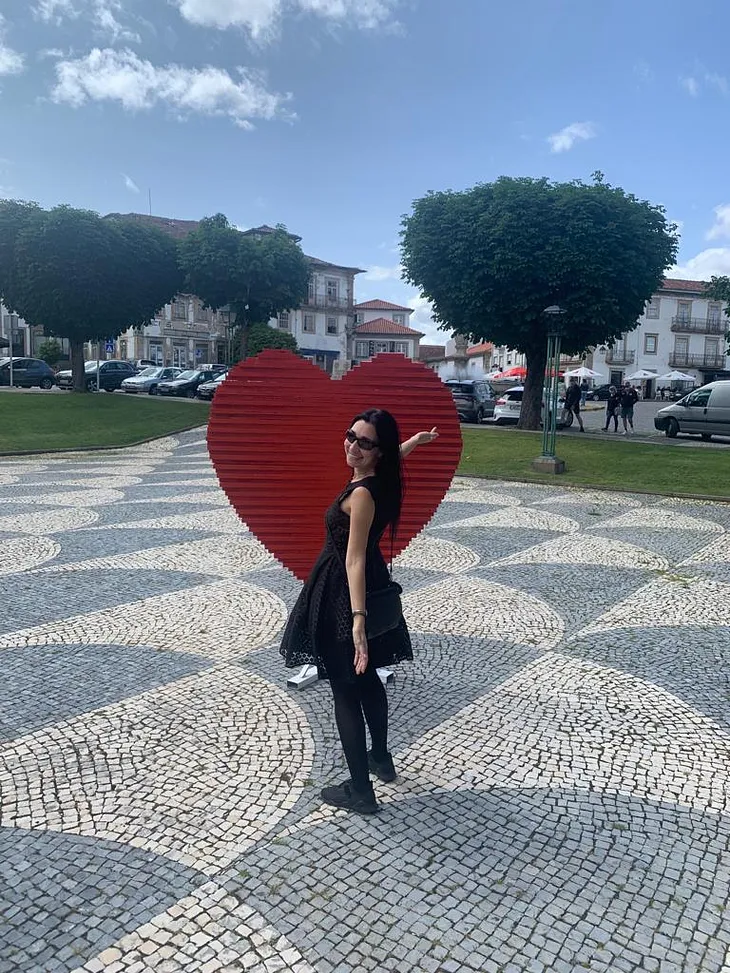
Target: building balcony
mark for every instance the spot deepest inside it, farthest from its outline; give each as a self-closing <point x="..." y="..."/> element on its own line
<point x="329" y="303"/>
<point x="699" y="326"/>
<point x="619" y="356"/>
<point x="681" y="359"/>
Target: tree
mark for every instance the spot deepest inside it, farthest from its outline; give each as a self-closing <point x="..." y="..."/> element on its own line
<point x="261" y="336"/>
<point x="719" y="290"/>
<point x="492" y="258"/>
<point x="50" y="351"/>
<point x="254" y="275"/>
<point x="83" y="277"/>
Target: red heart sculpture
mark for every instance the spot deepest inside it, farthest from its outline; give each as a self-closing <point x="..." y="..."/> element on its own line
<point x="276" y="435"/>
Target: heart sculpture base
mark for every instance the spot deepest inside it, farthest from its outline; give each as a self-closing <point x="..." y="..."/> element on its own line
<point x="276" y="437"/>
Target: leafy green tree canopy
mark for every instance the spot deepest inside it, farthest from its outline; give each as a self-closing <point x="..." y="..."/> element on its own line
<point x="50" y="351"/>
<point x="83" y="277"/>
<point x="261" y="336"/>
<point x="492" y="258"/>
<point x="255" y="275"/>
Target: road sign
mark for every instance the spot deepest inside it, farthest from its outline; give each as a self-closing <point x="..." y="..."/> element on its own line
<point x="109" y="346"/>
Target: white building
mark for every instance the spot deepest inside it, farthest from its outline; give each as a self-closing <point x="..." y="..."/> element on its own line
<point x="463" y="361"/>
<point x="679" y="330"/>
<point x="322" y="324"/>
<point x="383" y="327"/>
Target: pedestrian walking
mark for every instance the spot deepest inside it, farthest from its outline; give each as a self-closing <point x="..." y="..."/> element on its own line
<point x="572" y="401"/>
<point x="583" y="393"/>
<point x="629" y="398"/>
<point x="328" y="626"/>
<point x="613" y="403"/>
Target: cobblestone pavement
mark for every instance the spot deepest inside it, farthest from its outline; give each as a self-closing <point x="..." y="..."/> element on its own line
<point x="563" y="739"/>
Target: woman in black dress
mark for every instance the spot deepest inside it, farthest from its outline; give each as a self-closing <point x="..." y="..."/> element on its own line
<point x="327" y="624"/>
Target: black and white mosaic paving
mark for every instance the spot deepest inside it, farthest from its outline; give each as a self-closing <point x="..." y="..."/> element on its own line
<point x="562" y="738"/>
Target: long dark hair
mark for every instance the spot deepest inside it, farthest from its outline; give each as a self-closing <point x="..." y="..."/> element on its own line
<point x="389" y="468"/>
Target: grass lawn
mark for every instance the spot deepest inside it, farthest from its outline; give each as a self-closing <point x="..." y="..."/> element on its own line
<point x="621" y="465"/>
<point x="52" y="420"/>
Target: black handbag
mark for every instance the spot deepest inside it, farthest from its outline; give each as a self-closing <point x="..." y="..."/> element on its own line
<point x="383" y="606"/>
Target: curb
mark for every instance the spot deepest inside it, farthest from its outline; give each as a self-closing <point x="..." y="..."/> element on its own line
<point x="100" y="449"/>
<point x="589" y="486"/>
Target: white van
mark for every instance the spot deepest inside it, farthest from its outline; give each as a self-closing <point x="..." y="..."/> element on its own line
<point x="704" y="412"/>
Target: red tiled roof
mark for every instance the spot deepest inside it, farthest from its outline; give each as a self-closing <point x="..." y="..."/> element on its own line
<point x="381" y="306"/>
<point x="431" y="351"/>
<point x="385" y="326"/>
<point x="178" y="229"/>
<point x="670" y="284"/>
<point x="480" y="349"/>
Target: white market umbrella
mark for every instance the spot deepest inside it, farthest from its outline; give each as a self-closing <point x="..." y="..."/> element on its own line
<point x="641" y="375"/>
<point x="583" y="372"/>
<point x="677" y="377"/>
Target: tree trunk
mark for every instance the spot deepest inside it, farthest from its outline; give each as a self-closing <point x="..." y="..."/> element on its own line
<point x="530" y="413"/>
<point x="77" y="365"/>
<point x="243" y="340"/>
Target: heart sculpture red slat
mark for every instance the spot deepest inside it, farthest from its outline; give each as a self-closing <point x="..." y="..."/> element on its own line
<point x="276" y="438"/>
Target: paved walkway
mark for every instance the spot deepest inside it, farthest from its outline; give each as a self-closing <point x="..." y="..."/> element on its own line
<point x="563" y="739"/>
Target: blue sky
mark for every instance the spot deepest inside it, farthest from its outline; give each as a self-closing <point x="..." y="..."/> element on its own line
<point x="331" y="116"/>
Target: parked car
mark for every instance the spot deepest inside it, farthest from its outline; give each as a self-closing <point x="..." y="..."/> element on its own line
<point x="111" y="375"/>
<point x="208" y="389"/>
<point x="508" y="407"/>
<point x="27" y="373"/>
<point x="187" y="383"/>
<point x="143" y="363"/>
<point x="599" y="393"/>
<point x="148" y="379"/>
<point x="474" y="399"/>
<point x="215" y="367"/>
<point x="704" y="412"/>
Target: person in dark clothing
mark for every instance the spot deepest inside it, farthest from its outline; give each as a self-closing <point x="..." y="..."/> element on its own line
<point x="629" y="398"/>
<point x="584" y="390"/>
<point x="327" y="626"/>
<point x="613" y="404"/>
<point x="572" y="401"/>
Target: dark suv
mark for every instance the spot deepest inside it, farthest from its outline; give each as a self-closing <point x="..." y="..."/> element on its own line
<point x="474" y="399"/>
<point x="111" y="375"/>
<point x="27" y="373"/>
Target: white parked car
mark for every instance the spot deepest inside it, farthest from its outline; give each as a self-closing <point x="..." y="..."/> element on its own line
<point x="149" y="378"/>
<point x="508" y="407"/>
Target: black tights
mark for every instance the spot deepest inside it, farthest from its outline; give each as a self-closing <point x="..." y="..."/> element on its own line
<point x="609" y="416"/>
<point x="363" y="697"/>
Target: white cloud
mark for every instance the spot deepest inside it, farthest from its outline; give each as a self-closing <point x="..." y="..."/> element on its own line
<point x="718" y="81"/>
<point x="690" y="85"/>
<point x="262" y="18"/>
<point x="130" y="183"/>
<point x="721" y="227"/>
<point x="422" y="320"/>
<point x="375" y="272"/>
<point x="565" y="139"/>
<point x="139" y="85"/>
<point x="11" y="62"/>
<point x="101" y="13"/>
<point x="714" y="261"/>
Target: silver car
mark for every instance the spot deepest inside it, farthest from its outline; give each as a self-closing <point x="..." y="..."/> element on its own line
<point x="148" y="379"/>
<point x="704" y="412"/>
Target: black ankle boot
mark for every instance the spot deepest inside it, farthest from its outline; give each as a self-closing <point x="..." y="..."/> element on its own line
<point x="383" y="769"/>
<point x="346" y="797"/>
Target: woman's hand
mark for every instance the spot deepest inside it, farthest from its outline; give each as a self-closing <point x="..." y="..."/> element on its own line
<point x="361" y="644"/>
<point x="427" y="437"/>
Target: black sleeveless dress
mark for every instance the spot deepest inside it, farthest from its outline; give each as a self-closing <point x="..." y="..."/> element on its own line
<point x="319" y="629"/>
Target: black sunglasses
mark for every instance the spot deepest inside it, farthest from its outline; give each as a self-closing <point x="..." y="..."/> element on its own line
<point x="362" y="441"/>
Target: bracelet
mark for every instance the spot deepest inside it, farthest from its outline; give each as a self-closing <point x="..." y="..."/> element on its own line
<point x="360" y="611"/>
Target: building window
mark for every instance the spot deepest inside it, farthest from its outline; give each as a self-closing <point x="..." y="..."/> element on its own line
<point x="652" y="308"/>
<point x="401" y="347"/>
<point x="381" y="346"/>
<point x="180" y="311"/>
<point x="684" y="310"/>
<point x="333" y="290"/>
<point x="399" y="318"/>
<point x="332" y="326"/>
<point x="714" y="312"/>
<point x="310" y="324"/>
<point x="155" y="352"/>
<point x="122" y="348"/>
<point x="358" y="317"/>
<point x="362" y="349"/>
<point x="651" y="342"/>
<point x="312" y="290"/>
<point x="202" y="313"/>
<point x="284" y="321"/>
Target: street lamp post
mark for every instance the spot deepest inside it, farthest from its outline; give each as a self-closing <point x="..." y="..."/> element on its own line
<point x="548" y="462"/>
